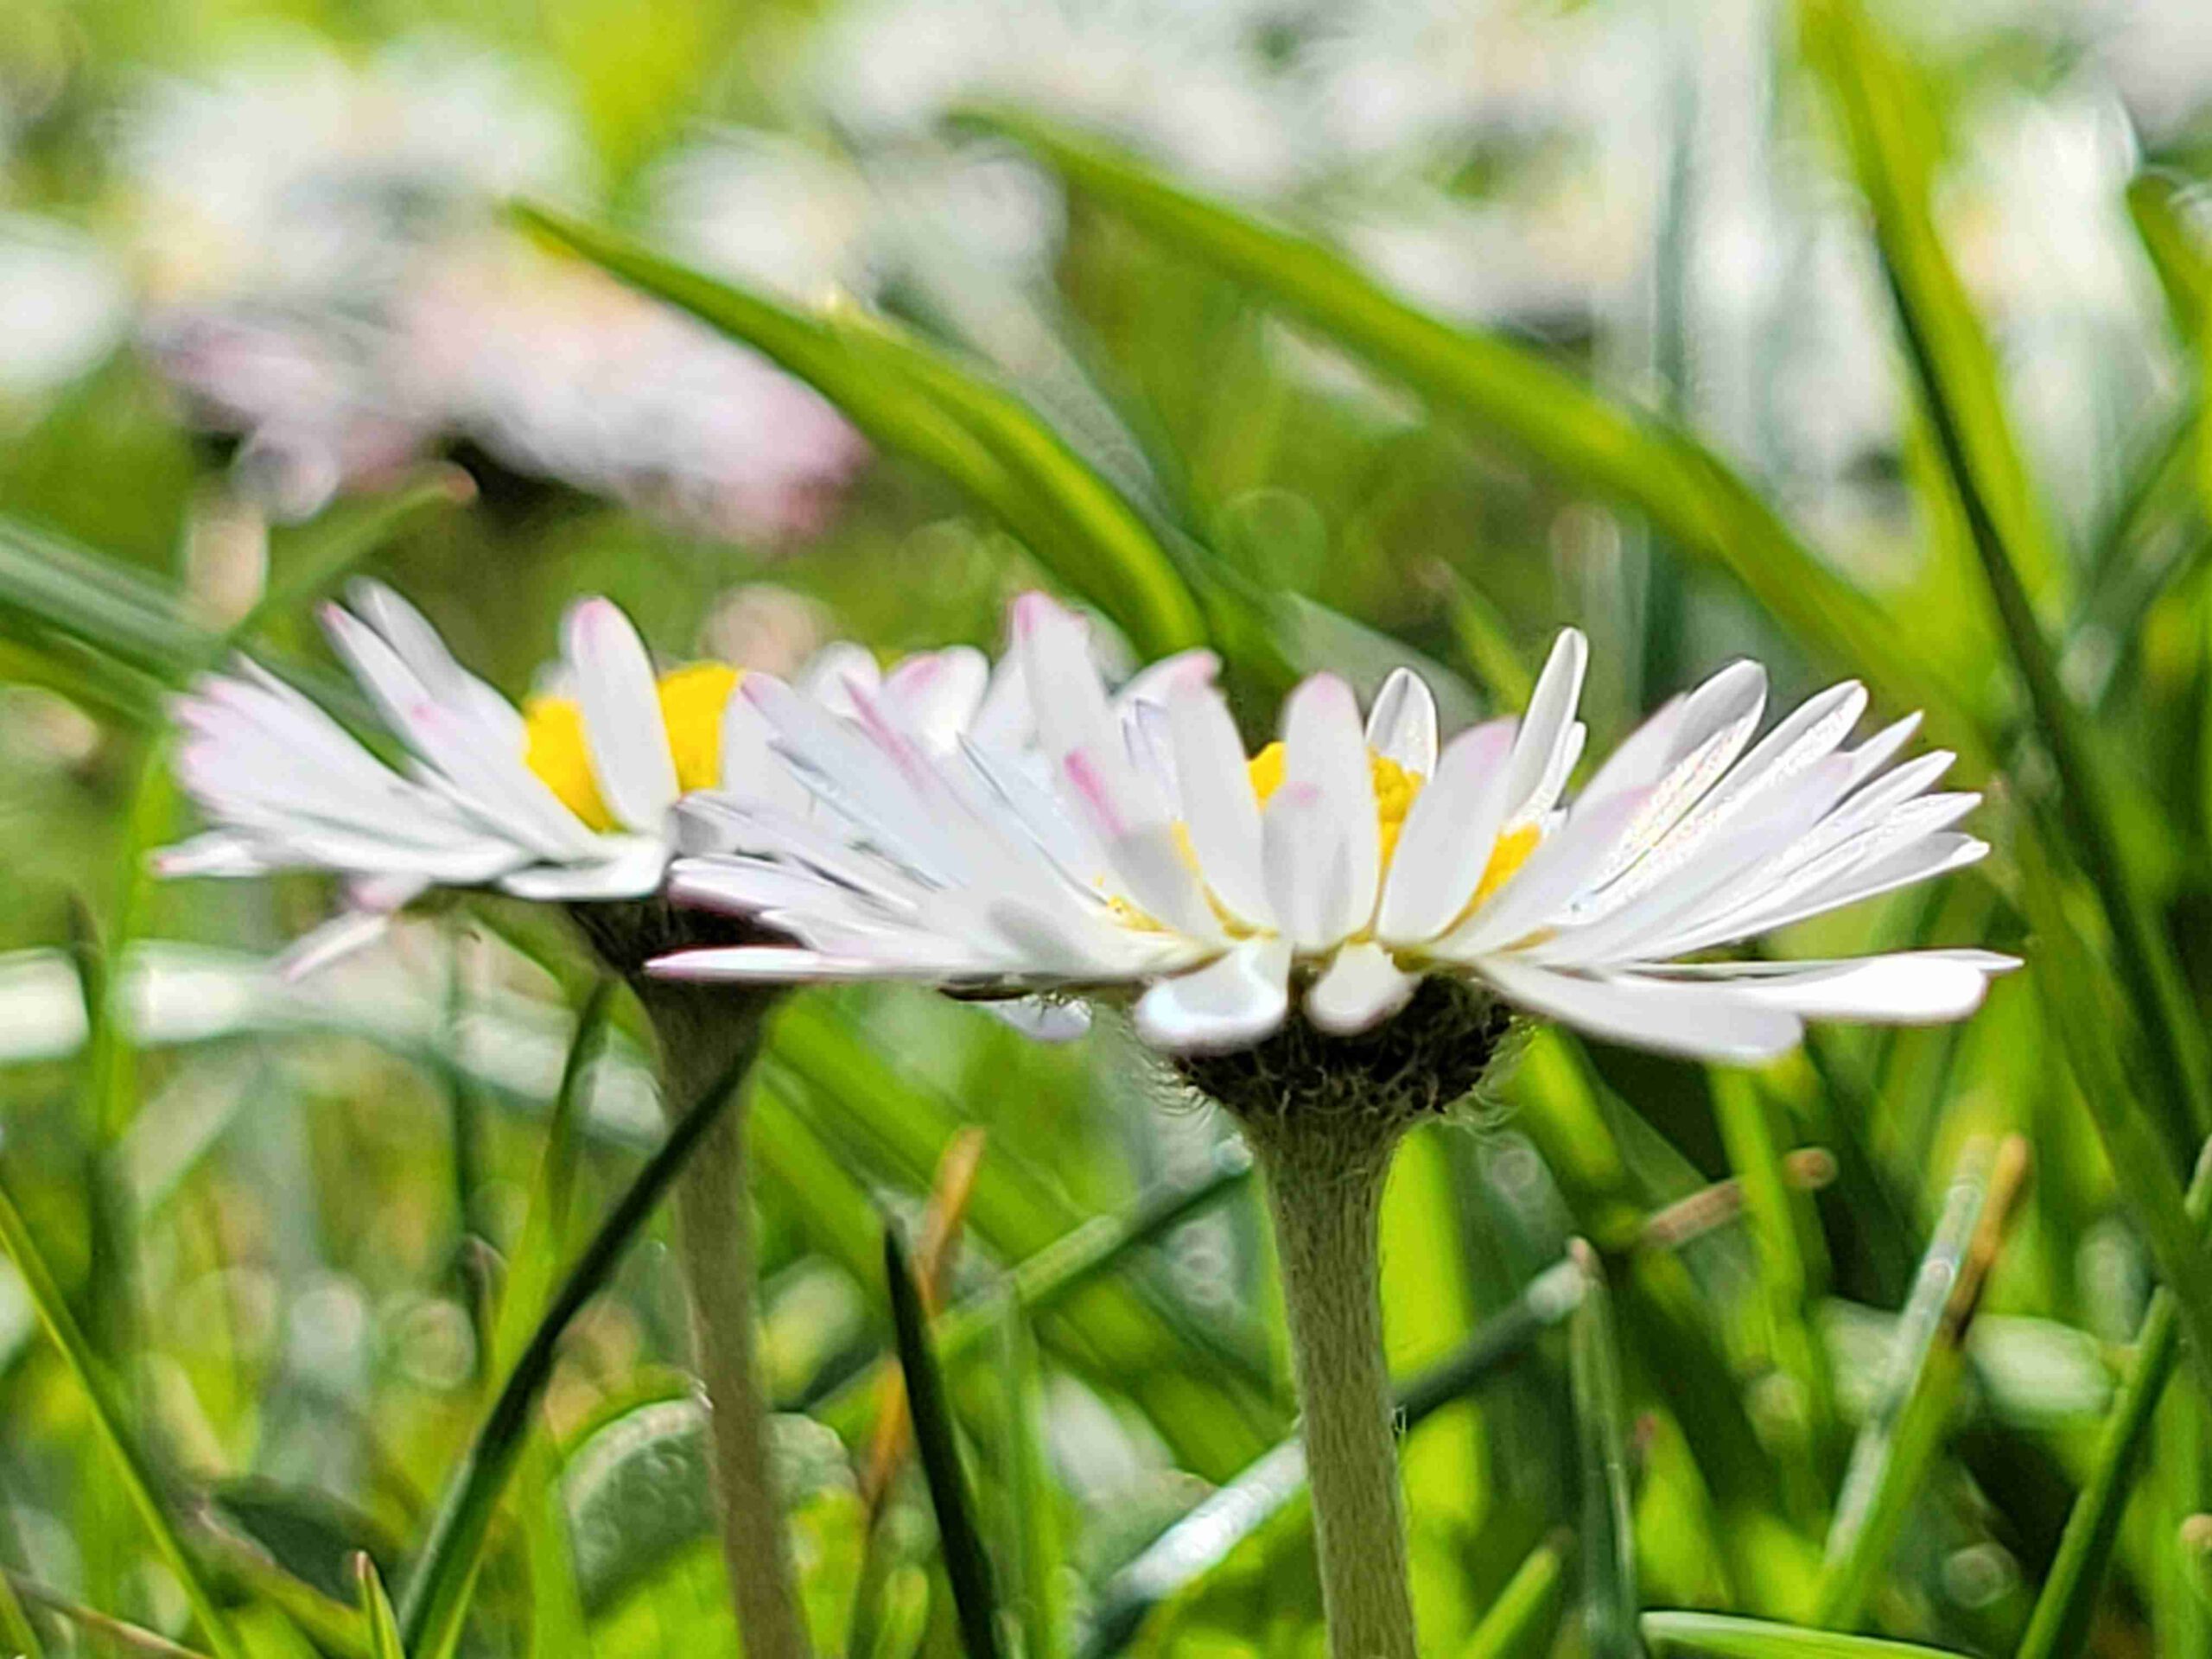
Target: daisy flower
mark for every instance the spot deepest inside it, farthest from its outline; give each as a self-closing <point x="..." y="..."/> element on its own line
<point x="567" y="800"/>
<point x="1139" y="851"/>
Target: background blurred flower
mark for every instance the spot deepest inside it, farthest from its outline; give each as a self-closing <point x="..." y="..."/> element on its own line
<point x="327" y="279"/>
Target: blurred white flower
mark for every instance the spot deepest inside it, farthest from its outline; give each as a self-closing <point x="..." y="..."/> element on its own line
<point x="64" y="302"/>
<point x="326" y="278"/>
<point x="1187" y="82"/>
<point x="1344" y="866"/>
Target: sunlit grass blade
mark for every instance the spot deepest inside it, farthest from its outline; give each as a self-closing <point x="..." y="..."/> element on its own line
<point x="376" y="1611"/>
<point x="1512" y="1623"/>
<point x="911" y="397"/>
<point x="1889" y="129"/>
<point x="120" y="1635"/>
<point x="1890" y="1463"/>
<point x="557" y="1623"/>
<point x="2065" y="1608"/>
<point x="2177" y="254"/>
<point x="1482" y="640"/>
<point x="1607" y="1535"/>
<point x="1633" y="458"/>
<point x="954" y="1184"/>
<point x="2069" y="980"/>
<point x="1788" y="1289"/>
<point x="966" y="1565"/>
<point x="1034" y="1555"/>
<point x="1721" y="1636"/>
<point x="436" y="1592"/>
<point x="18" y="1636"/>
<point x="132" y="1467"/>
<point x="1956" y="382"/>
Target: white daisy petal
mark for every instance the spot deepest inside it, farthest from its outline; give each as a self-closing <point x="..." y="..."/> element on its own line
<point x="1362" y="988"/>
<point x="624" y="733"/>
<point x="1693" y="1021"/>
<point x="1445" y="842"/>
<point x="1306" y="866"/>
<point x="1547" y="726"/>
<point x="936" y="694"/>
<point x="1325" y="748"/>
<point x="1219" y="808"/>
<point x="1232" y="1002"/>
<point x="1402" y="726"/>
<point x="1536" y="894"/>
<point x="1907" y="988"/>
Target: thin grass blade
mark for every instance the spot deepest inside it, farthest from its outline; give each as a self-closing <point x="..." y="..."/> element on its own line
<point x="966" y="1565"/>
<point x="1530" y="1596"/>
<point x="376" y="1609"/>
<point x="132" y="1467"/>
<point x="1608" y="1539"/>
<point x="1725" y="1637"/>
<point x="436" y="1594"/>
<point x="1889" y="1464"/>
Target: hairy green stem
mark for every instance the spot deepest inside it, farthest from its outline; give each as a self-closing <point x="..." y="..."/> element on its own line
<point x="1324" y="1177"/>
<point x="700" y="1037"/>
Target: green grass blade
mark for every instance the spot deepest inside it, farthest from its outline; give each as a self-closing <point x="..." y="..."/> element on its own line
<point x="1036" y="1557"/>
<point x="1725" y="1637"/>
<point x="376" y="1609"/>
<point x="1903" y="1431"/>
<point x="911" y="397"/>
<point x="436" y="1592"/>
<point x="2177" y="255"/>
<point x="966" y="1563"/>
<point x="2068" y="979"/>
<point x="19" y="1637"/>
<point x="1949" y="356"/>
<point x="1609" y="1592"/>
<point x="2059" y="1626"/>
<point x="1788" y="1289"/>
<point x="132" y="1467"/>
<point x="1888" y="133"/>
<point x="1527" y="1599"/>
<point x="1637" y="460"/>
<point x="120" y="1635"/>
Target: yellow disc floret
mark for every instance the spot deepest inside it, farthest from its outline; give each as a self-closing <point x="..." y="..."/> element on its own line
<point x="691" y="702"/>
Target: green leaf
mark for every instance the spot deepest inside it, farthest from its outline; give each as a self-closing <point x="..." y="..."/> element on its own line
<point x="18" y="1636"/>
<point x="966" y="1565"/>
<point x="376" y="1609"/>
<point x="911" y="396"/>
<point x="133" y="1469"/>
<point x="1724" y="1637"/>
<point x="1637" y="460"/>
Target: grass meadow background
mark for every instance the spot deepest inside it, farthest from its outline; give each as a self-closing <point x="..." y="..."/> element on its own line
<point x="1865" y="339"/>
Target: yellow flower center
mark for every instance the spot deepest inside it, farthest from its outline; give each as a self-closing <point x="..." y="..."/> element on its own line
<point x="691" y="702"/>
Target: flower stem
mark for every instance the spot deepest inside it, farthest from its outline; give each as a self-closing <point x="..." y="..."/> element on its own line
<point x="1324" y="1177"/>
<point x="699" y="1038"/>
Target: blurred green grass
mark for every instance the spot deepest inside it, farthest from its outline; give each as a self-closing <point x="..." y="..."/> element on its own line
<point x="281" y="1217"/>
